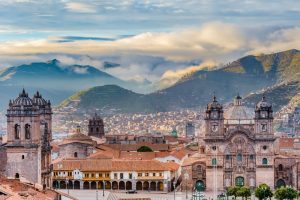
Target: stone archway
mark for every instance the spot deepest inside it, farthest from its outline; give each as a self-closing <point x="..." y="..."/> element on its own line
<point x="76" y="185"/>
<point x="63" y="185"/>
<point x="153" y="186"/>
<point x="55" y="184"/>
<point x="128" y="185"/>
<point x="70" y="184"/>
<point x="146" y="185"/>
<point x="280" y="183"/>
<point x="121" y="185"/>
<point x="86" y="185"/>
<point x="115" y="185"/>
<point x="107" y="185"/>
<point x="93" y="185"/>
<point x="139" y="185"/>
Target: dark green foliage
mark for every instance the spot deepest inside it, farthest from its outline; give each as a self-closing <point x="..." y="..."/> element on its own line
<point x="263" y="191"/>
<point x="286" y="193"/>
<point x="144" y="149"/>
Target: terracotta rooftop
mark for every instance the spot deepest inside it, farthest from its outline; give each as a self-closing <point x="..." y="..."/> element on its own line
<point x="110" y="165"/>
<point x="286" y="143"/>
<point x="78" y="138"/>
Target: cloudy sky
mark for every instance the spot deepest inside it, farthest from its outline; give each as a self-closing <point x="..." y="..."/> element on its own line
<point x="151" y="39"/>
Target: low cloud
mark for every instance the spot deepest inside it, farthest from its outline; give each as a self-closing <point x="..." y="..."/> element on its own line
<point x="80" y="7"/>
<point x="162" y="57"/>
<point x="170" y="77"/>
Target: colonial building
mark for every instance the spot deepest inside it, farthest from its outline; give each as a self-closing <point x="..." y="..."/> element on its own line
<point x="239" y="146"/>
<point x="28" y="149"/>
<point x="148" y="175"/>
<point x="76" y="145"/>
<point x="96" y="126"/>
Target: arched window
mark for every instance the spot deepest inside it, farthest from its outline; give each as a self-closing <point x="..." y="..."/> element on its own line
<point x="75" y="155"/>
<point x="264" y="161"/>
<point x="27" y="131"/>
<point x="97" y="130"/>
<point x="17" y="131"/>
<point x="214" y="161"/>
<point x="17" y="176"/>
<point x="251" y="157"/>
<point x="228" y="157"/>
<point x="239" y="157"/>
<point x="280" y="167"/>
<point x="239" y="181"/>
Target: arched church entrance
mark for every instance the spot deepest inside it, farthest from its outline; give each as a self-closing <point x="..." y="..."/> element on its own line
<point x="280" y="183"/>
<point x="239" y="181"/>
<point x="200" y="186"/>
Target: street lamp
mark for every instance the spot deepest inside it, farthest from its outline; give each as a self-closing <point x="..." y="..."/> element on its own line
<point x="67" y="180"/>
<point x="103" y="187"/>
<point x="186" y="178"/>
<point x="174" y="182"/>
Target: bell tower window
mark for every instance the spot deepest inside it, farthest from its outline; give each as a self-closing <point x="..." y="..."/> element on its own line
<point x="264" y="161"/>
<point x="264" y="127"/>
<point x="27" y="131"/>
<point x="17" y="131"/>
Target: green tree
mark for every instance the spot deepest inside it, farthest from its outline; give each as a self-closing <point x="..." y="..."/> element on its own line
<point x="263" y="191"/>
<point x="286" y="193"/>
<point x="243" y="192"/>
<point x="232" y="191"/>
<point x="144" y="149"/>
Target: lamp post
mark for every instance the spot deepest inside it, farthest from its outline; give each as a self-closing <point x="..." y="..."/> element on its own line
<point x="103" y="187"/>
<point x="174" y="182"/>
<point x="186" y="178"/>
<point x="67" y="180"/>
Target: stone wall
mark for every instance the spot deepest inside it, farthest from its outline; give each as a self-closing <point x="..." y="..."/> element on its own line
<point x="23" y="162"/>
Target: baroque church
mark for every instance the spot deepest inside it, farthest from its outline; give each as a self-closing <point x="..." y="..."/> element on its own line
<point x="239" y="146"/>
<point x="28" y="150"/>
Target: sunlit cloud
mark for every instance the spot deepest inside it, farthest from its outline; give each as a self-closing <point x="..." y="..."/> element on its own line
<point x="80" y="7"/>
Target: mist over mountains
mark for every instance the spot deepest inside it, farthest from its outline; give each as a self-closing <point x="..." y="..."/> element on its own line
<point x="277" y="73"/>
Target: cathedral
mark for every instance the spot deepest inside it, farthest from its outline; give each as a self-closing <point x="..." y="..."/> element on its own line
<point x="239" y="145"/>
<point x="28" y="150"/>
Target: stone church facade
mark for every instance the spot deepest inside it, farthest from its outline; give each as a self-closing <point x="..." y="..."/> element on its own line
<point x="28" y="150"/>
<point x="238" y="145"/>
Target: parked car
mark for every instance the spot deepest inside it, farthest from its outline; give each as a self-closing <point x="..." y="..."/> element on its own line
<point x="131" y="192"/>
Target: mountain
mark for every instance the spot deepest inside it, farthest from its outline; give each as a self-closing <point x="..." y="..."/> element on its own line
<point x="110" y="98"/>
<point x="250" y="74"/>
<point x="55" y="80"/>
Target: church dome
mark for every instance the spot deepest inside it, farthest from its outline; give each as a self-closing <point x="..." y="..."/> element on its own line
<point x="23" y="100"/>
<point x="238" y="111"/>
<point x="39" y="100"/>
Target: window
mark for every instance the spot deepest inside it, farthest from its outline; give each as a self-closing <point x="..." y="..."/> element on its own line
<point x="264" y="127"/>
<point x="239" y="181"/>
<point x="214" y="148"/>
<point x="17" y="131"/>
<point x="140" y="174"/>
<point x="86" y="175"/>
<point x="91" y="129"/>
<point x="121" y="175"/>
<point x="69" y="173"/>
<point x="228" y="157"/>
<point x="115" y="176"/>
<point x="239" y="157"/>
<point x="92" y="175"/>
<point x="154" y="174"/>
<point x="97" y="130"/>
<point x="214" y="161"/>
<point x="23" y="157"/>
<point x="75" y="155"/>
<point x="27" y="131"/>
<point x="280" y="167"/>
<point x="265" y="147"/>
<point x="251" y="157"/>
<point x="160" y="174"/>
<point x="130" y="175"/>
<point x="100" y="175"/>
<point x="264" y="161"/>
<point x="107" y="174"/>
<point x="146" y="174"/>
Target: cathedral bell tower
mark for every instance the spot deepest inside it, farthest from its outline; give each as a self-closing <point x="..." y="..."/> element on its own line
<point x="214" y="120"/>
<point x="263" y="117"/>
<point x="28" y="139"/>
<point x="96" y="126"/>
